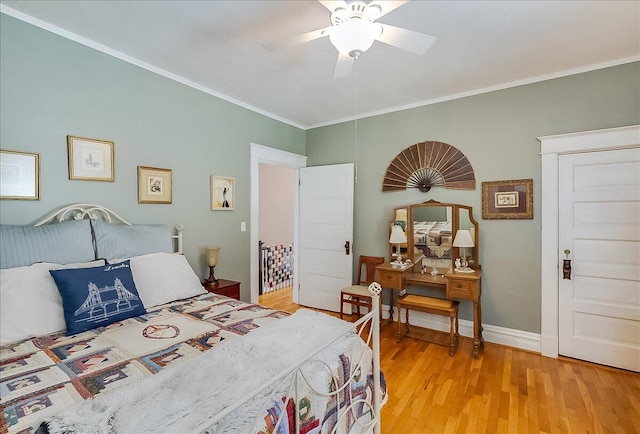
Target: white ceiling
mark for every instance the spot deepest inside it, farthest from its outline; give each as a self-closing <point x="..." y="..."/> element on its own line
<point x="216" y="46"/>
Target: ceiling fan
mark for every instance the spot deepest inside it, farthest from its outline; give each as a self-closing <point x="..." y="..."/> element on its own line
<point x="354" y="28"/>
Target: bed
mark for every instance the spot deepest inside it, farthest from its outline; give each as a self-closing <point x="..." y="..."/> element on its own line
<point x="114" y="333"/>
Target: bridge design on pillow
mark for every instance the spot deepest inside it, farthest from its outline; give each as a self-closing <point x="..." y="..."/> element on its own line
<point x="98" y="307"/>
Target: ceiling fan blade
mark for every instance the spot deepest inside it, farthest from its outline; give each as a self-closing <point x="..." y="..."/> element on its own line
<point x="332" y="5"/>
<point x="408" y="40"/>
<point x="386" y="6"/>
<point x="344" y="66"/>
<point x="298" y="39"/>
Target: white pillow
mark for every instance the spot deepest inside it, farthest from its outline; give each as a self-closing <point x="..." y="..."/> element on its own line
<point x="164" y="277"/>
<point x="30" y="303"/>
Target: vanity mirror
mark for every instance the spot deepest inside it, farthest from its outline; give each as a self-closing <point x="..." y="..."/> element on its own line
<point x="433" y="250"/>
<point x="431" y="229"/>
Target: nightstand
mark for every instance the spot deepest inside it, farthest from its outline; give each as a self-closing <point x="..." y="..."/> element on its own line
<point x="228" y="288"/>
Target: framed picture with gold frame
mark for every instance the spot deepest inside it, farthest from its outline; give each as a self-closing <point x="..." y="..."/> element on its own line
<point x="223" y="193"/>
<point x="507" y="199"/>
<point x="90" y="159"/>
<point x="154" y="185"/>
<point x="19" y="175"/>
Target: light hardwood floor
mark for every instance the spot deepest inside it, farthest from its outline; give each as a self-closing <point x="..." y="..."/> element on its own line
<point x="505" y="391"/>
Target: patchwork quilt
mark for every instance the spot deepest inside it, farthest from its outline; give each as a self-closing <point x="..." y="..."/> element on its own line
<point x="42" y="376"/>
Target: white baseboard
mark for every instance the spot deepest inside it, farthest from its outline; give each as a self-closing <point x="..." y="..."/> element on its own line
<point x="495" y="334"/>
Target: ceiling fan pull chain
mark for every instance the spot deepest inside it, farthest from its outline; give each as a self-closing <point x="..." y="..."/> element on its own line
<point x="356" y="123"/>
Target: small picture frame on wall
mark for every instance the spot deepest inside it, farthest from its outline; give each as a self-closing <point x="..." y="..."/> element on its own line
<point x="507" y="199"/>
<point x="223" y="193"/>
<point x="154" y="185"/>
<point x="90" y="159"/>
<point x="19" y="175"/>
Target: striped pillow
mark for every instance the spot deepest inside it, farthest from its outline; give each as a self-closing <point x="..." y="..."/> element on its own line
<point x="61" y="243"/>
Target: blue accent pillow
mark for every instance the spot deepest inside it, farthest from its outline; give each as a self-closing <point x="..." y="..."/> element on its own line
<point x="97" y="296"/>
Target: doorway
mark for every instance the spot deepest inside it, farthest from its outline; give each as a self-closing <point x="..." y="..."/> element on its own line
<point x="595" y="146"/>
<point x="276" y="228"/>
<point x="266" y="155"/>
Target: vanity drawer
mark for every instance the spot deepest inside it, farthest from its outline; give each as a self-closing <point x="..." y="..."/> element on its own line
<point x="458" y="288"/>
<point x="390" y="279"/>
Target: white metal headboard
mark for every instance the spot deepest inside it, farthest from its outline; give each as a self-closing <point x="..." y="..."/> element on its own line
<point x="81" y="211"/>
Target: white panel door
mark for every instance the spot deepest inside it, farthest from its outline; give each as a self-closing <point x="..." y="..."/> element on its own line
<point x="599" y="222"/>
<point x="326" y="225"/>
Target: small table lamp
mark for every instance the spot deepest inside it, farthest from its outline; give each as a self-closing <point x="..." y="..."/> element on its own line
<point x="463" y="239"/>
<point x="397" y="237"/>
<point x="212" y="261"/>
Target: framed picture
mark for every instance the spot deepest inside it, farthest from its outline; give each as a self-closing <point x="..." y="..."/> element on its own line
<point x="19" y="175"/>
<point x="223" y="193"/>
<point x="90" y="159"/>
<point x="154" y="185"/>
<point x="507" y="199"/>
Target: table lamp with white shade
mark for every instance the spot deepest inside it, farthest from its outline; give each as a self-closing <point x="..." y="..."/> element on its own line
<point x="463" y="239"/>
<point x="397" y="237"/>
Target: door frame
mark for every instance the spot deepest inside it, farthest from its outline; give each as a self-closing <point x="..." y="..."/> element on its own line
<point x="551" y="147"/>
<point x="277" y="157"/>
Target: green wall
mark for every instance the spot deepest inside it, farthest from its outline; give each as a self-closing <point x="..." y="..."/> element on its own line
<point x="52" y="87"/>
<point x="497" y="132"/>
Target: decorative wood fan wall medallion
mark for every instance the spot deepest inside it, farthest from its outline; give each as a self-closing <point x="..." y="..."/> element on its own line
<point x="429" y="164"/>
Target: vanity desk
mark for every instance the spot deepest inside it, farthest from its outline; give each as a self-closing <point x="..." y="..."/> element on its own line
<point x="431" y="228"/>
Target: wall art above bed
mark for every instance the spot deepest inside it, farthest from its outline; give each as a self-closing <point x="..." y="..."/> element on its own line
<point x="90" y="159"/>
<point x="223" y="193"/>
<point x="19" y="175"/>
<point x="154" y="185"/>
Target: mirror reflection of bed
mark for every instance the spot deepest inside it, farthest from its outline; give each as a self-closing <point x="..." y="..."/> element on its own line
<point x="432" y="237"/>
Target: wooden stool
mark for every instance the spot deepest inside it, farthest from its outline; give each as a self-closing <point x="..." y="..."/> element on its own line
<point x="436" y="306"/>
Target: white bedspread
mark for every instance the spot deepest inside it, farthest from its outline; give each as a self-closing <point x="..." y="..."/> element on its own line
<point x="186" y="396"/>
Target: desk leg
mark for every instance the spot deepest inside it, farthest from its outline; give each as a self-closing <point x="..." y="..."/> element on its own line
<point x="391" y="309"/>
<point x="399" y="333"/>
<point x="480" y="324"/>
<point x="391" y="302"/>
<point x="478" y="341"/>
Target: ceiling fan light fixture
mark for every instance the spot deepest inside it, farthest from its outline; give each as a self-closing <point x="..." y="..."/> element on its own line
<point x="355" y="36"/>
<point x="372" y="12"/>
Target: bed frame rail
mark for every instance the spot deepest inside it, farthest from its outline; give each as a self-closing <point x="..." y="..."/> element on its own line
<point x="287" y="380"/>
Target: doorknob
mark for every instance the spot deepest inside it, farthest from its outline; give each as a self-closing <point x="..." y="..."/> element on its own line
<point x="346" y="248"/>
<point x="566" y="265"/>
